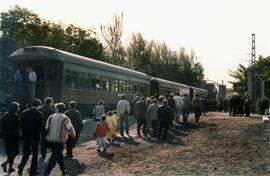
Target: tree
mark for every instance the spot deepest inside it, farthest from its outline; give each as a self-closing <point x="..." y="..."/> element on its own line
<point x="24" y="28"/>
<point x="240" y="77"/>
<point x="21" y="25"/>
<point x="262" y="68"/>
<point x="112" y="34"/>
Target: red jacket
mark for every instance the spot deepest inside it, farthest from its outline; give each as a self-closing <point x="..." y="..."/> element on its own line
<point x="102" y="129"/>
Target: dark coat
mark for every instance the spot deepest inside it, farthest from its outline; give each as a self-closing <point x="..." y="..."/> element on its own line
<point x="76" y="119"/>
<point x="164" y="113"/>
<point x="10" y="125"/>
<point x="46" y="110"/>
<point x="31" y="124"/>
<point x="140" y="109"/>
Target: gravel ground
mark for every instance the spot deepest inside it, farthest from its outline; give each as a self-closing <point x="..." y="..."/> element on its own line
<point x="219" y="145"/>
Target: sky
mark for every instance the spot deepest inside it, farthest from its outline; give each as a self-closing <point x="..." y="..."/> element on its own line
<point x="219" y="31"/>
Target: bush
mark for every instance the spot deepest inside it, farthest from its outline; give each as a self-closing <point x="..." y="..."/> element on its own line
<point x="262" y="104"/>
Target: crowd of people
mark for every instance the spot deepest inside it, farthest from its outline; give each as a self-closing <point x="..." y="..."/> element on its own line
<point x="50" y="126"/>
<point x="53" y="126"/>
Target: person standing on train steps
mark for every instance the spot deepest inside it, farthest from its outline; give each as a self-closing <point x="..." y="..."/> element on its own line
<point x="10" y="129"/>
<point x="31" y="85"/>
<point x="47" y="110"/>
<point x="76" y="120"/>
<point x="58" y="128"/>
<point x="123" y="108"/>
<point x="31" y="125"/>
<point x="18" y="80"/>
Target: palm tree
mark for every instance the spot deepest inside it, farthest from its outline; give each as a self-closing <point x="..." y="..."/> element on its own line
<point x="240" y="75"/>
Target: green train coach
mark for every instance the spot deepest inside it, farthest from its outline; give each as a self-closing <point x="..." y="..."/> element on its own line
<point x="66" y="77"/>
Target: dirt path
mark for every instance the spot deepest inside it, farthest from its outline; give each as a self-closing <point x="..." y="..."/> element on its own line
<point x="219" y="145"/>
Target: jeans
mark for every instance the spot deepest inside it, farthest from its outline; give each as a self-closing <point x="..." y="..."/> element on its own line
<point x="124" y="119"/>
<point x="101" y="143"/>
<point x="57" y="156"/>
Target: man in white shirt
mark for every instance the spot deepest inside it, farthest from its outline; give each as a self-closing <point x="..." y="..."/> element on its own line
<point x="123" y="108"/>
<point x="32" y="78"/>
<point x="178" y="106"/>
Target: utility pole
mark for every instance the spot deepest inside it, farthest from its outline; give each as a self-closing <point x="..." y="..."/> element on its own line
<point x="253" y="67"/>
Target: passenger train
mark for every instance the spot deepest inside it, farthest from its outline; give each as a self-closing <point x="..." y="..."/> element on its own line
<point x="66" y="76"/>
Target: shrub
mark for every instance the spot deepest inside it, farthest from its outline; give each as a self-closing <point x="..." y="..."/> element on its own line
<point x="262" y="104"/>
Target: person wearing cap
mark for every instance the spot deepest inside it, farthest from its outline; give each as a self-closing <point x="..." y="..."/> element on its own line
<point x="123" y="108"/>
<point x="76" y="120"/>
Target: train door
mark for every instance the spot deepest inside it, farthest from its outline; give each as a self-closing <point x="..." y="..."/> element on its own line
<point x="53" y="76"/>
<point x="21" y="93"/>
<point x="154" y="87"/>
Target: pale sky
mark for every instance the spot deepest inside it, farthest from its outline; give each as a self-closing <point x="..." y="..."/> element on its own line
<point x="218" y="30"/>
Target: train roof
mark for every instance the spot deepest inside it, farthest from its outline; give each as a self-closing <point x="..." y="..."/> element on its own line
<point x="199" y="89"/>
<point x="168" y="82"/>
<point x="45" y="52"/>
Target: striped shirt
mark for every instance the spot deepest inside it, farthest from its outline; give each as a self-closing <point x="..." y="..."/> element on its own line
<point x="59" y="126"/>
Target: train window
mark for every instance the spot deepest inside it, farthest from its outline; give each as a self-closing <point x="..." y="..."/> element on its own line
<point x="81" y="84"/>
<point x="135" y="87"/>
<point x="124" y="86"/>
<point x="120" y="85"/>
<point x="127" y="86"/>
<point x="87" y="81"/>
<point x="93" y="82"/>
<point x="108" y="84"/>
<point x="111" y="84"/>
<point x="116" y="85"/>
<point x="103" y="83"/>
<point x="98" y="83"/>
<point x="68" y="78"/>
<point x="73" y="82"/>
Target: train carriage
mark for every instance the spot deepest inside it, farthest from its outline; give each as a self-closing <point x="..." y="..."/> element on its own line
<point x="66" y="76"/>
<point x="165" y="87"/>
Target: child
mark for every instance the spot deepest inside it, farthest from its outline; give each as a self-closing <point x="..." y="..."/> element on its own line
<point x="102" y="129"/>
<point x="112" y="126"/>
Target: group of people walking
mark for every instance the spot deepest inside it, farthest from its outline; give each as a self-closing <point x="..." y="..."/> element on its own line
<point x="52" y="126"/>
<point x="47" y="125"/>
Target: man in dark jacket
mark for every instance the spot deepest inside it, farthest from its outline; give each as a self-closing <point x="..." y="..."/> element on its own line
<point x="76" y="120"/>
<point x="46" y="110"/>
<point x="163" y="119"/>
<point x="140" y="112"/>
<point x="31" y="125"/>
